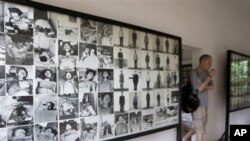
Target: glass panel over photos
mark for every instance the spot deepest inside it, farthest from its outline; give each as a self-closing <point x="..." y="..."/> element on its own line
<point x="239" y="81"/>
<point x="70" y="78"/>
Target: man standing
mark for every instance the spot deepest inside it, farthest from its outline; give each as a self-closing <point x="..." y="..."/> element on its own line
<point x="158" y="99"/>
<point x="146" y="41"/>
<point x="121" y="80"/>
<point x="122" y="102"/>
<point x="135" y="57"/>
<point x="134" y="38"/>
<point x="158" y="43"/>
<point x="148" y="100"/>
<point x="148" y="80"/>
<point x="135" y="80"/>
<point x="121" y="36"/>
<point x="158" y="62"/>
<point x="120" y="58"/>
<point x="147" y="60"/>
<point x="135" y="101"/>
<point x="201" y="80"/>
<point x="167" y="45"/>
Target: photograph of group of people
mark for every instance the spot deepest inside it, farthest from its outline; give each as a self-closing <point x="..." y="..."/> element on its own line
<point x="69" y="78"/>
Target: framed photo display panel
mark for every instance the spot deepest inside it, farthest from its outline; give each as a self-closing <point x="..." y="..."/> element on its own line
<point x="71" y="76"/>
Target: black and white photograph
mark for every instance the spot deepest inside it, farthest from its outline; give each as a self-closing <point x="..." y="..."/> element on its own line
<point x="46" y="80"/>
<point x="171" y="79"/>
<point x="19" y="19"/>
<point x="19" y="80"/>
<point x="135" y="121"/>
<point x="168" y="62"/>
<point x="121" y="102"/>
<point x="148" y="42"/>
<point x="45" y="24"/>
<point x="105" y="56"/>
<point x="68" y="82"/>
<point x="121" y="124"/>
<point x="160" y="114"/>
<point x="2" y="48"/>
<point x="68" y="27"/>
<point x="70" y="130"/>
<point x="147" y="80"/>
<point x="134" y="61"/>
<point x="68" y="54"/>
<point x="2" y="81"/>
<point x="3" y="117"/>
<point x="158" y="97"/>
<point x="121" y="57"/>
<point x="172" y="43"/>
<point x="136" y="39"/>
<point x="87" y="80"/>
<point x="105" y="34"/>
<point x="167" y="97"/>
<point x="105" y="80"/>
<point x="88" y="31"/>
<point x="135" y="101"/>
<point x="45" y="51"/>
<point x="134" y="80"/>
<point x="88" y="56"/>
<point x="3" y="134"/>
<point x="19" y="49"/>
<point x="120" y="36"/>
<point x="172" y="111"/>
<point x="174" y="96"/>
<point x="89" y="128"/>
<point x="19" y="110"/>
<point x="159" y="61"/>
<point x="147" y="119"/>
<point x="105" y="103"/>
<point x="147" y="60"/>
<point x="157" y="43"/>
<point x="158" y="79"/>
<point x="166" y="45"/>
<point x="88" y="104"/>
<point x="46" y="131"/>
<point x="1" y="17"/>
<point x="68" y="107"/>
<point x="121" y="80"/>
<point x="45" y="108"/>
<point x="22" y="133"/>
<point x="147" y="98"/>
<point x="107" y="125"/>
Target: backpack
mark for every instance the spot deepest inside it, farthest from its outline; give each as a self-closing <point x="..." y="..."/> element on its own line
<point x="190" y="101"/>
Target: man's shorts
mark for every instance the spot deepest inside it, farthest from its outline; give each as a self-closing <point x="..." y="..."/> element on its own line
<point x="200" y="120"/>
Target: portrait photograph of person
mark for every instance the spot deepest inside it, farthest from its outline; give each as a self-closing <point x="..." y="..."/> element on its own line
<point x="105" y="56"/>
<point x="2" y="81"/>
<point x="19" y="80"/>
<point x="45" y="51"/>
<point x="88" y="56"/>
<point x="160" y="115"/>
<point x="121" y="124"/>
<point x="172" y="111"/>
<point x="19" y="50"/>
<point x="147" y="42"/>
<point x="68" y="82"/>
<point x="105" y="103"/>
<point x="157" y="43"/>
<point x="23" y="133"/>
<point x="121" y="102"/>
<point x="19" y="110"/>
<point x="46" y="131"/>
<point x="68" y="27"/>
<point x="172" y="79"/>
<point x="158" y="61"/>
<point x="147" y="100"/>
<point x="87" y="81"/>
<point x="19" y="19"/>
<point x="45" y="24"/>
<point x="88" y="104"/>
<point x="147" y="60"/>
<point x="174" y="96"/>
<point x="136" y="39"/>
<point x="158" y="79"/>
<point x="105" y="34"/>
<point x="2" y="49"/>
<point x="120" y="36"/>
<point x="121" y="57"/>
<point x="45" y="108"/>
<point x="158" y="97"/>
<point x="46" y="80"/>
<point x="89" y="128"/>
<point x="70" y="130"/>
<point x="135" y="101"/>
<point x="88" y="31"/>
<point x="68" y="107"/>
<point x="135" y="121"/>
<point x="68" y="54"/>
<point x="3" y="118"/>
<point x="166" y="44"/>
<point x="147" y="119"/>
<point x="147" y="80"/>
<point x="3" y="134"/>
<point x="107" y="125"/>
<point x="105" y="80"/>
<point x="1" y="17"/>
<point x="121" y="80"/>
<point x="134" y="80"/>
<point x="134" y="61"/>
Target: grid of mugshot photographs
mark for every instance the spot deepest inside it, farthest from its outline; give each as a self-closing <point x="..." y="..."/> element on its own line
<point x="69" y="78"/>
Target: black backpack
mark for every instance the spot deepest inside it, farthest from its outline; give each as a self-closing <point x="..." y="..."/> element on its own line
<point x="190" y="101"/>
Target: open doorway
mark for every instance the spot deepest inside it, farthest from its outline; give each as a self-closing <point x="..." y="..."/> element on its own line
<point x="189" y="62"/>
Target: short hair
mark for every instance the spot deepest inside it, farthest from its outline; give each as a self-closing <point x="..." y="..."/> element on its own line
<point x="53" y="131"/>
<point x="204" y="57"/>
<point x="15" y="10"/>
<point x="22" y="68"/>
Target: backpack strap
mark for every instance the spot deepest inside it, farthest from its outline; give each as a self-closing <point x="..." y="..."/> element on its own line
<point x="196" y="91"/>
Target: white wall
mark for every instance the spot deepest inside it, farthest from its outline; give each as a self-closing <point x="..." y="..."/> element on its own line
<point x="214" y="26"/>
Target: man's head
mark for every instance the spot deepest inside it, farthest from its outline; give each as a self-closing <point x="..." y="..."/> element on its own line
<point x="205" y="62"/>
